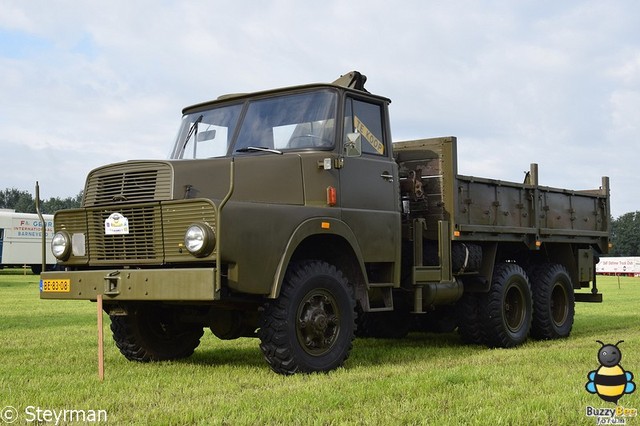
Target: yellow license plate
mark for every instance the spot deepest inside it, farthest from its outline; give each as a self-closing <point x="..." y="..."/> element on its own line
<point x="56" y="286"/>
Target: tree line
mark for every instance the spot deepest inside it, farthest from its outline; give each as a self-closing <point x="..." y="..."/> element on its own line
<point x="625" y="235"/>
<point x="24" y="202"/>
<point x="625" y="230"/>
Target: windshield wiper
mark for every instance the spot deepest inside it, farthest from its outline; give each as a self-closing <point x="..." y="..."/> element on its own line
<point x="192" y="129"/>
<point x="259" y="149"/>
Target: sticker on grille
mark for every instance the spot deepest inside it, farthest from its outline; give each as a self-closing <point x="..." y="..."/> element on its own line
<point x="142" y="243"/>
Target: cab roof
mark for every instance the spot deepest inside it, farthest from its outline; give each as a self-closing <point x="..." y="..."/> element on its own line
<point x="350" y="82"/>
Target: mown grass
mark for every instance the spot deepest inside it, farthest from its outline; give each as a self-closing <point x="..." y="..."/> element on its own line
<point x="48" y="360"/>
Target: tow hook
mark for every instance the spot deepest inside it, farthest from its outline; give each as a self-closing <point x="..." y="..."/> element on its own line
<point x="112" y="284"/>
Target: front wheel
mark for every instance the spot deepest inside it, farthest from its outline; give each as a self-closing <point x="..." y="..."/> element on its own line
<point x="152" y="333"/>
<point x="310" y="327"/>
<point x="507" y="309"/>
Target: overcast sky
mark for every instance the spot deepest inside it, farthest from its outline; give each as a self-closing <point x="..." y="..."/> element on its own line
<point x="85" y="83"/>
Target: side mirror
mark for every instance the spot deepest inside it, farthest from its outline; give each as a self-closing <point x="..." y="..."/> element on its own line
<point x="353" y="145"/>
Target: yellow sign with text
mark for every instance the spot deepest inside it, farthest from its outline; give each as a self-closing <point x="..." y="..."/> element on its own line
<point x="370" y="137"/>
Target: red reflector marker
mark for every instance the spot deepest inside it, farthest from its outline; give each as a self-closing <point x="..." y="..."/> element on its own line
<point x="332" y="196"/>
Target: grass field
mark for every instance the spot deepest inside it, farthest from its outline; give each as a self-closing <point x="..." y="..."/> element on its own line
<point x="48" y="361"/>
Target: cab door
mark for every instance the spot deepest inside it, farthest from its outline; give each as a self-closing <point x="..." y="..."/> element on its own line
<point x="369" y="191"/>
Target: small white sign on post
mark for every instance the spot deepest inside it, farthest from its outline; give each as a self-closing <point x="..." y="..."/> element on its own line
<point x="116" y="224"/>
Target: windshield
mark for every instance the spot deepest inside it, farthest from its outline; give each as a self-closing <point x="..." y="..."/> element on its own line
<point x="287" y="122"/>
<point x="304" y="120"/>
<point x="208" y="133"/>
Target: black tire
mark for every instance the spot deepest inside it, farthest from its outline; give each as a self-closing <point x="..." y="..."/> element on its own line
<point x="553" y="302"/>
<point x="310" y="327"/>
<point x="468" y="314"/>
<point x="465" y="257"/>
<point x="150" y="333"/>
<point x="506" y="310"/>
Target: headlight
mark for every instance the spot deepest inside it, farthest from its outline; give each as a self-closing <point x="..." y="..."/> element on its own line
<point x="199" y="239"/>
<point x="61" y="245"/>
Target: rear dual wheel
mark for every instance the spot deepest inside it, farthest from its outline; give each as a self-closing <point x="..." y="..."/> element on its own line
<point x="541" y="303"/>
<point x="553" y="302"/>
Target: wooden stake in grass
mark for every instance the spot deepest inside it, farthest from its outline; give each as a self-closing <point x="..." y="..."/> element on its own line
<point x="100" y="340"/>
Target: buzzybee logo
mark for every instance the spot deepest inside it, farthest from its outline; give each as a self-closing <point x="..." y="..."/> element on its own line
<point x="610" y="381"/>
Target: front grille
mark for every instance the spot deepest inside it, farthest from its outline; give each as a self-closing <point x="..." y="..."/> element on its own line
<point x="128" y="182"/>
<point x="156" y="232"/>
<point x="132" y="186"/>
<point x="142" y="244"/>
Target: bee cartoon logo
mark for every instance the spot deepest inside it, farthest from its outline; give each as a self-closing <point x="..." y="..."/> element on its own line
<point x="610" y="381"/>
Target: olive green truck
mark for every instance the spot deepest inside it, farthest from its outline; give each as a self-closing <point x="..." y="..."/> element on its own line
<point x="289" y="215"/>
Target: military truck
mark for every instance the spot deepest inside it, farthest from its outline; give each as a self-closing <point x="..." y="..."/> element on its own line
<point x="289" y="215"/>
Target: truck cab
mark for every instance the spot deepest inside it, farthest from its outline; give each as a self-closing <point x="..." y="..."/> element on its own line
<point x="260" y="189"/>
<point x="300" y="159"/>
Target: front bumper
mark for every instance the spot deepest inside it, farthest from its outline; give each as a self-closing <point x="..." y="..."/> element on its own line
<point x="193" y="284"/>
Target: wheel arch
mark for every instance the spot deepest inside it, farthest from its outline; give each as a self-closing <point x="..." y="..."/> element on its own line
<point x="325" y="239"/>
<point x="565" y="254"/>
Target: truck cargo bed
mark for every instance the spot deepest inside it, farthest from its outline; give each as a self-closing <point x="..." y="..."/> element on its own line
<point x="481" y="209"/>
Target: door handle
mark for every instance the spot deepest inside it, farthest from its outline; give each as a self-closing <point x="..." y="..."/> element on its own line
<point x="387" y="176"/>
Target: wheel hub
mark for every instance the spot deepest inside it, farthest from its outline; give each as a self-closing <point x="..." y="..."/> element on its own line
<point x="558" y="304"/>
<point x="514" y="309"/>
<point x="317" y="323"/>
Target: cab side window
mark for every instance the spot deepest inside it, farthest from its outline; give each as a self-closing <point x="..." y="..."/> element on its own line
<point x="365" y="118"/>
